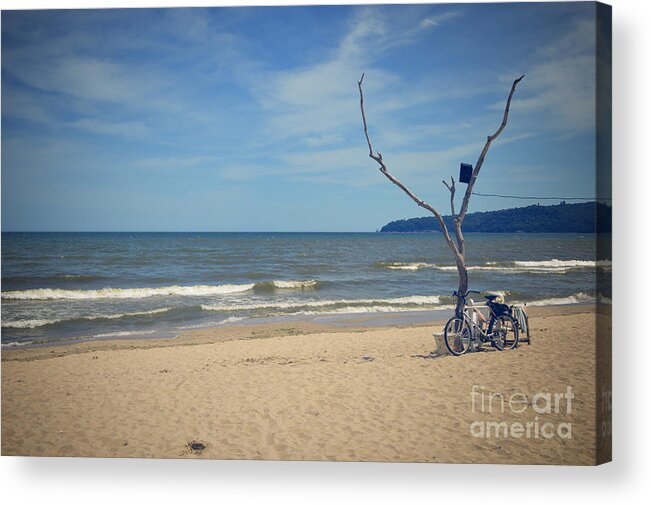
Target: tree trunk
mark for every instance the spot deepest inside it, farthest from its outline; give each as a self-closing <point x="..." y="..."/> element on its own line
<point x="463" y="282"/>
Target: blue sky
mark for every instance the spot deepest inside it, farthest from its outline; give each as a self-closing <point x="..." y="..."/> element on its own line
<point x="247" y="119"/>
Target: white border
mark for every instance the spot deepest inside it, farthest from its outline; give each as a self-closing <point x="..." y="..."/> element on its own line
<point x="111" y="481"/>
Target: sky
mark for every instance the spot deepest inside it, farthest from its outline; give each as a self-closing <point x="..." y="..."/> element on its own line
<point x="247" y="119"/>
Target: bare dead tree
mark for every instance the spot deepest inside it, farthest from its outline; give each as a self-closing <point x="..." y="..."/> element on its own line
<point x="457" y="247"/>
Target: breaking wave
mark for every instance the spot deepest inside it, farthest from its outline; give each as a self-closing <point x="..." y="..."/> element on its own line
<point x="407" y="266"/>
<point x="117" y="293"/>
<point x="566" y="300"/>
<point x="388" y="303"/>
<point x="18" y="343"/>
<point x="309" y="284"/>
<point x="554" y="263"/>
<point x="543" y="267"/>
<point x="29" y="323"/>
<point x="231" y="319"/>
<point x="376" y="305"/>
<point x="122" y="334"/>
<point x="35" y="323"/>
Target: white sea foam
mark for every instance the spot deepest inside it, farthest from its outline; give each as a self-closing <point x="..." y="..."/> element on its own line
<point x="131" y="314"/>
<point x="35" y="323"/>
<point x="544" y="266"/>
<point x="232" y="319"/>
<point x="22" y="343"/>
<point x="28" y="323"/>
<point x="122" y="334"/>
<point x="554" y="263"/>
<point x="372" y="309"/>
<point x="567" y="300"/>
<point x="296" y="304"/>
<point x="17" y="343"/>
<point x="295" y="284"/>
<point x="410" y="266"/>
<point x="107" y="293"/>
<point x="375" y="305"/>
<point x="91" y="294"/>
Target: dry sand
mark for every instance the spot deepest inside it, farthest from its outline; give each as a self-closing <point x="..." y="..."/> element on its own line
<point x="302" y="392"/>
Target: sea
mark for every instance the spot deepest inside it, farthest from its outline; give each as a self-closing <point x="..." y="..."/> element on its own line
<point x="65" y="287"/>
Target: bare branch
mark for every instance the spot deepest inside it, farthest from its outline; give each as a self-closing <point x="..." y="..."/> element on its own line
<point x="507" y="109"/>
<point x="361" y="105"/>
<point x="482" y="156"/>
<point x="452" y="188"/>
<point x="457" y="225"/>
<point x="385" y="170"/>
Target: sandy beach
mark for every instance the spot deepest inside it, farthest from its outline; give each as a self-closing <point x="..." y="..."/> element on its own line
<point x="299" y="391"/>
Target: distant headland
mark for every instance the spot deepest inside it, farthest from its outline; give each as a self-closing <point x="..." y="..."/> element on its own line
<point x="589" y="217"/>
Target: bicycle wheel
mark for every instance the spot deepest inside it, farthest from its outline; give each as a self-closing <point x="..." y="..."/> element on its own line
<point x="458" y="336"/>
<point x="505" y="332"/>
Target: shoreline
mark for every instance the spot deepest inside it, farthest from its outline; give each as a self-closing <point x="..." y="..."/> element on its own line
<point x="354" y="323"/>
<point x="294" y="392"/>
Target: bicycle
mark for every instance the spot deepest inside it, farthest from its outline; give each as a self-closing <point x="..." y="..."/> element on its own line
<point x="461" y="332"/>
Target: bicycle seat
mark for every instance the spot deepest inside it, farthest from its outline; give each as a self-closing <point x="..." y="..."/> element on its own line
<point x="490" y="298"/>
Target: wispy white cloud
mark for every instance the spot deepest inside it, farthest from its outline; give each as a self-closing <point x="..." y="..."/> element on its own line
<point x="31" y="106"/>
<point x="113" y="75"/>
<point x="129" y="129"/>
<point x="438" y="20"/>
<point x="320" y="99"/>
<point x="17" y="103"/>
<point x="560" y="85"/>
<point x="81" y="77"/>
<point x="325" y="139"/>
<point x="176" y="161"/>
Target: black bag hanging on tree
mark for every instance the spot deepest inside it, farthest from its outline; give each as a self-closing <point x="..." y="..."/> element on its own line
<point x="465" y="173"/>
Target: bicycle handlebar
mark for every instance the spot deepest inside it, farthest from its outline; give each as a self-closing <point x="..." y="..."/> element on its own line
<point x="460" y="295"/>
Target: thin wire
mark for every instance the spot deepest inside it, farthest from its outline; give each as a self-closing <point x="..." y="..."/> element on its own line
<point x="539" y="197"/>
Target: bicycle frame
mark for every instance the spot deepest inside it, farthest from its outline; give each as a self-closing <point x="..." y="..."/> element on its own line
<point x="487" y="331"/>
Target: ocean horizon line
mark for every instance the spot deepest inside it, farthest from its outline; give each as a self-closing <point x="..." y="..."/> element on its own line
<point x="366" y="232"/>
<point x="180" y="231"/>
